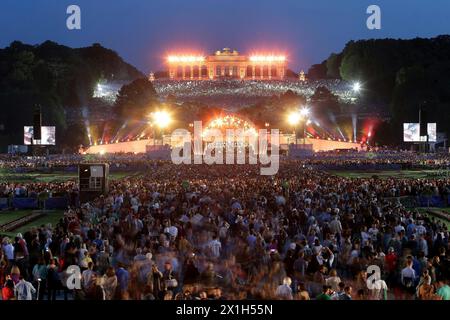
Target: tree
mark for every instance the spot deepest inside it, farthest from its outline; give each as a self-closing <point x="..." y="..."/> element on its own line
<point x="399" y="75"/>
<point x="324" y="102"/>
<point x="59" y="78"/>
<point x="135" y="100"/>
<point x="318" y="71"/>
<point x="333" y="65"/>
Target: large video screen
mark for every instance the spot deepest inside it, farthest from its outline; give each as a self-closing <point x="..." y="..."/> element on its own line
<point x="28" y="135"/>
<point x="48" y="136"/>
<point x="431" y="130"/>
<point x="411" y="132"/>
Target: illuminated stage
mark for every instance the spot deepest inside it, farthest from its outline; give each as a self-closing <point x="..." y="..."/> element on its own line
<point x="141" y="146"/>
<point x="222" y="131"/>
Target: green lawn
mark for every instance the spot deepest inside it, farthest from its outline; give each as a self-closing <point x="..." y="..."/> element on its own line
<point x="384" y="174"/>
<point x="424" y="210"/>
<point x="50" y="217"/>
<point x="8" y="216"/>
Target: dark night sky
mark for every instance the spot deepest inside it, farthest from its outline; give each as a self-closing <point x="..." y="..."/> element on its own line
<point x="144" y="31"/>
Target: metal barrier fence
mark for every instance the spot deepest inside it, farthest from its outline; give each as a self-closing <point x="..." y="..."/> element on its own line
<point x="34" y="203"/>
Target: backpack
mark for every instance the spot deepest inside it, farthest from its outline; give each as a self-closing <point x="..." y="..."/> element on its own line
<point x="408" y="282"/>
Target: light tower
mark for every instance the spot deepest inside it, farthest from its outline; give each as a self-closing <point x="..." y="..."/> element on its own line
<point x="151" y="77"/>
<point x="301" y="76"/>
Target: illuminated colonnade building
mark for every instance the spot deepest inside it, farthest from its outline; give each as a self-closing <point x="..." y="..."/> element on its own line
<point x="226" y="64"/>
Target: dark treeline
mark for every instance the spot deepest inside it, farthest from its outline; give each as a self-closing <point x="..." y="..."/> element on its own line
<point x="399" y="74"/>
<point x="58" y="78"/>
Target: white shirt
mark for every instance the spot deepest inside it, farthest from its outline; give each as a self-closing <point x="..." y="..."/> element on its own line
<point x="335" y="226"/>
<point x="172" y="230"/>
<point x="399" y="228"/>
<point x="378" y="289"/>
<point x="333" y="282"/>
<point x="215" y="246"/>
<point x="24" y="290"/>
<point x="284" y="292"/>
<point x="9" y="251"/>
<point x="420" y="229"/>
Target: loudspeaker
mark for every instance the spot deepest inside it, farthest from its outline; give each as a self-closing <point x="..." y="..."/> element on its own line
<point x="37" y="122"/>
<point x="93" y="180"/>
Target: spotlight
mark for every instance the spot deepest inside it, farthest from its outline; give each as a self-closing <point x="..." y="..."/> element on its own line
<point x="294" y="118"/>
<point x="356" y="87"/>
<point x="162" y="119"/>
<point x="304" y="112"/>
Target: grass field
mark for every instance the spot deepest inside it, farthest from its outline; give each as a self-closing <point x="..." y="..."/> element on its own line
<point x="50" y="217"/>
<point x="424" y="210"/>
<point x="8" y="216"/>
<point x="400" y="174"/>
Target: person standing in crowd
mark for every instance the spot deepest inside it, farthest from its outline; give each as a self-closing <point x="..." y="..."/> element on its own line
<point x="284" y="291"/>
<point x="53" y="280"/>
<point x="24" y="290"/>
<point x="8" y="290"/>
<point x="40" y="276"/>
<point x="326" y="293"/>
<point x="444" y="290"/>
<point x="109" y="284"/>
<point x="225" y="229"/>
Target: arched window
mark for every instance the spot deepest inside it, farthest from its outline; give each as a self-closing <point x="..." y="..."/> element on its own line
<point x="258" y="71"/>
<point x="187" y="71"/>
<point x="249" y="71"/>
<point x="179" y="71"/>
<point x="235" y="72"/>
<point x="274" y="72"/>
<point x="204" y="71"/>
<point x="196" y="71"/>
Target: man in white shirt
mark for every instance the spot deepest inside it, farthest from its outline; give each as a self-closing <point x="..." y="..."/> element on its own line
<point x="24" y="290"/>
<point x="379" y="290"/>
<point x="8" y="249"/>
<point x="172" y="230"/>
<point x="284" y="291"/>
<point x="214" y="247"/>
<point x="399" y="228"/>
<point x="336" y="226"/>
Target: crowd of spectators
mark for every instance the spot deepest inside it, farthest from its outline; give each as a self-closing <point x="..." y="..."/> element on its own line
<point x="225" y="232"/>
<point x="238" y="93"/>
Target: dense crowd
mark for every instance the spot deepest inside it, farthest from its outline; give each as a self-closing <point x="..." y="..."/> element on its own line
<point x="244" y="92"/>
<point x="225" y="232"/>
<point x="346" y="158"/>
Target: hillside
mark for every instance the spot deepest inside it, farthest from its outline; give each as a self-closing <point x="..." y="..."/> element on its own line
<point x="57" y="77"/>
<point x="400" y="74"/>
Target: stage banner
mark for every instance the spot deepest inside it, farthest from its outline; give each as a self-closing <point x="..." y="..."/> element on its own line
<point x="3" y="203"/>
<point x="25" y="203"/>
<point x="56" y="203"/>
<point x="433" y="201"/>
